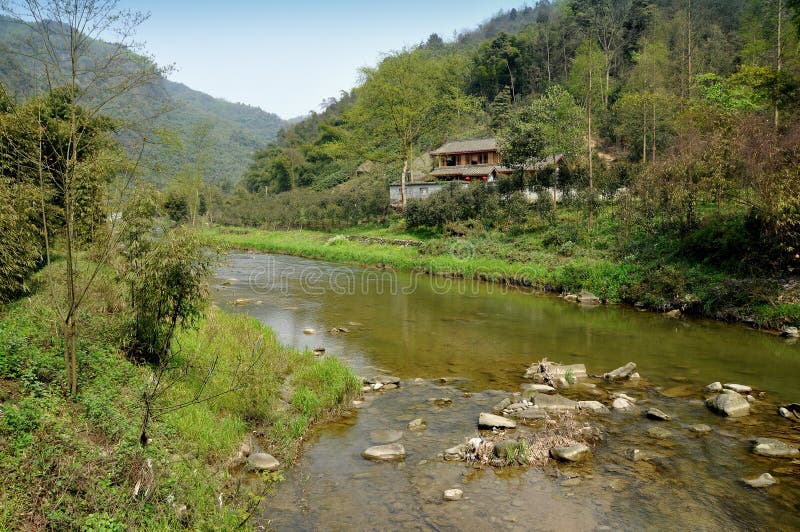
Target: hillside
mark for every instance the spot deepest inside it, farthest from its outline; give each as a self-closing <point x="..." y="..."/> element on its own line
<point x="227" y="133"/>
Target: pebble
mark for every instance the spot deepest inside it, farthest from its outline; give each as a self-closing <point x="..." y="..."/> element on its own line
<point x="453" y="494"/>
<point x="761" y="482"/>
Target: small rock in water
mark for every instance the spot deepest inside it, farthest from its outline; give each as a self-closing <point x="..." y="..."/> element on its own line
<point x="593" y="406"/>
<point x="441" y="401"/>
<point x="714" y="387"/>
<point x="750" y="398"/>
<point x="418" y="424"/>
<point x="385" y="453"/>
<point x="700" y="428"/>
<point x="658" y="432"/>
<point x="729" y="404"/>
<point x="673" y="313"/>
<point x="537" y="388"/>
<point x="622" y="404"/>
<point x="571" y="482"/>
<point x="489" y="421"/>
<point x="790" y="332"/>
<point x="453" y="494"/>
<point x="588" y="298"/>
<point x="621" y="373"/>
<point x="761" y="482"/>
<point x="573" y="453"/>
<point x="459" y="452"/>
<point x="738" y="388"/>
<point x="263" y="462"/>
<point x="385" y="436"/>
<point x="655" y="413"/>
<point x="774" y="448"/>
<point x="790" y="411"/>
<point x="309" y="330"/>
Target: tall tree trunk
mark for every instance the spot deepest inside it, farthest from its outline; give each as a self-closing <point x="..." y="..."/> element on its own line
<point x="589" y="142"/>
<point x="403" y="183"/>
<point x="780" y="51"/>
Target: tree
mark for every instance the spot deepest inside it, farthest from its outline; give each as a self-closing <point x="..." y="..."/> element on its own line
<point x="561" y="123"/>
<point x="88" y="80"/>
<point x="409" y="97"/>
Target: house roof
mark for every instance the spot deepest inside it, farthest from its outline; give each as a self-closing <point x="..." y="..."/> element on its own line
<point x="472" y="170"/>
<point x="467" y="146"/>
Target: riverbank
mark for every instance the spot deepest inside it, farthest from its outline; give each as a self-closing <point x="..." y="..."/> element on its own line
<point x="79" y="463"/>
<point x="692" y="289"/>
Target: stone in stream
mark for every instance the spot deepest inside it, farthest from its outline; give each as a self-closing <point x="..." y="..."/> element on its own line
<point x="490" y="421"/>
<point x="774" y="448"/>
<point x="573" y="453"/>
<point x="761" y="482"/>
<point x="502" y="405"/>
<point x="790" y="332"/>
<point x="593" y="406"/>
<point x="738" y="388"/>
<point x="440" y="401"/>
<point x="700" y="428"/>
<point x="729" y="404"/>
<point x="659" y="433"/>
<point x="622" y="404"/>
<point x="453" y="494"/>
<point x="385" y="453"/>
<point x="529" y="389"/>
<point x="531" y="413"/>
<point x="637" y="455"/>
<point x="713" y="387"/>
<point x="588" y="298"/>
<point x="309" y="330"/>
<point x="418" y="424"/>
<point x="621" y="373"/>
<point x="385" y="436"/>
<point x="262" y="462"/>
<point x="553" y="403"/>
<point x="382" y="379"/>
<point x="459" y="452"/>
<point x="538" y="370"/>
<point x="503" y="449"/>
<point x="658" y="415"/>
<point x="790" y="411"/>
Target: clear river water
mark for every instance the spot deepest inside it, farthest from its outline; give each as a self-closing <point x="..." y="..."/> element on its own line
<point x="471" y="342"/>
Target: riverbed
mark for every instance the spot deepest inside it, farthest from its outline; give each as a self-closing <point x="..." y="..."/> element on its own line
<point x="471" y="342"/>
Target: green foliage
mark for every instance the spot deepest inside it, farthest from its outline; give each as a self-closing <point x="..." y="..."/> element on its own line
<point x="167" y="278"/>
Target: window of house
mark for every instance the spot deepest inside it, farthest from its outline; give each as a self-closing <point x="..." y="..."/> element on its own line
<point x="483" y="157"/>
<point x="450" y="160"/>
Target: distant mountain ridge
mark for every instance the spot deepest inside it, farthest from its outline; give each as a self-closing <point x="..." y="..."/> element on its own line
<point x="232" y="132"/>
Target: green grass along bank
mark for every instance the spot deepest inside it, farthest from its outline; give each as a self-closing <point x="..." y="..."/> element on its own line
<point x="695" y="289"/>
<point x="78" y="464"/>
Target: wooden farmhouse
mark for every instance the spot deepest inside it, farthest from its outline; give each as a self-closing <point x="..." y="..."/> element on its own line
<point x="463" y="161"/>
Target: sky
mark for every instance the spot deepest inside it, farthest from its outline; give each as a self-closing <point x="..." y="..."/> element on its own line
<point x="287" y="57"/>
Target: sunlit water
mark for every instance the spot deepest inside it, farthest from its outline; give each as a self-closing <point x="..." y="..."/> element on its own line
<point x="482" y="337"/>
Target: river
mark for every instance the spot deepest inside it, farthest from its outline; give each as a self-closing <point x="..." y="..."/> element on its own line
<point x="471" y="342"/>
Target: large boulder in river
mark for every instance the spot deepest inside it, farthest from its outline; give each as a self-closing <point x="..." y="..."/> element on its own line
<point x="774" y="448"/>
<point x="490" y="421"/>
<point x="729" y="404"/>
<point x="385" y="453"/>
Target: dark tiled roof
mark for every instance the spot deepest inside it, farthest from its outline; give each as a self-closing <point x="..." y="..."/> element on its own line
<point x="467" y="146"/>
<point x="472" y="170"/>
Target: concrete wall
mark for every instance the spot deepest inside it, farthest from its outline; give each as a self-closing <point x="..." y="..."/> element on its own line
<point x="414" y="191"/>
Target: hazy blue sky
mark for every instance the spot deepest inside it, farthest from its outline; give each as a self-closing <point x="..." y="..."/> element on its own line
<point x="287" y="56"/>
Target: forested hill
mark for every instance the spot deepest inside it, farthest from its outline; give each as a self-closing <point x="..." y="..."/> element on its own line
<point x="664" y="55"/>
<point x="187" y="122"/>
